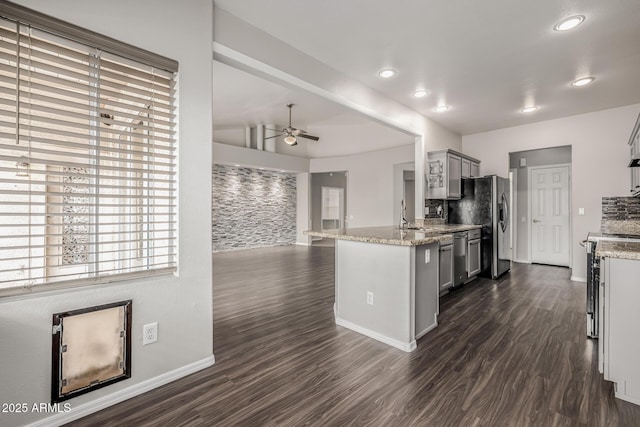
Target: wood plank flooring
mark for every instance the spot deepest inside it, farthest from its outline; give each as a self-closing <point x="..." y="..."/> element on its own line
<point x="506" y="353"/>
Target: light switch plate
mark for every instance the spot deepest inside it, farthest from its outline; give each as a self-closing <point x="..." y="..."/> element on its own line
<point x="523" y="162"/>
<point x="581" y="211"/>
<point x="427" y="256"/>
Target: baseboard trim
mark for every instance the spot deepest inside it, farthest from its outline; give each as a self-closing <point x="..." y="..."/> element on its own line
<point x="522" y="261"/>
<point x="578" y="279"/>
<point x="302" y="244"/>
<point x="621" y="392"/>
<point x="429" y="329"/>
<point x="88" y="408"/>
<point x="408" y="347"/>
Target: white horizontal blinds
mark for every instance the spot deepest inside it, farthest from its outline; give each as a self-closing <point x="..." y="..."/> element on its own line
<point x="87" y="162"/>
<point x="137" y="145"/>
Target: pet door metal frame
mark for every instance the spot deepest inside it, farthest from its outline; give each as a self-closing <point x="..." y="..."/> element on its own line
<point x="58" y="377"/>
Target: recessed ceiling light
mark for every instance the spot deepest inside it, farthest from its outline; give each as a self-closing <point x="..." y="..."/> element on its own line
<point x="420" y="93"/>
<point x="569" y="23"/>
<point x="386" y="73"/>
<point x="583" y="81"/>
<point x="441" y="108"/>
<point x="529" y="109"/>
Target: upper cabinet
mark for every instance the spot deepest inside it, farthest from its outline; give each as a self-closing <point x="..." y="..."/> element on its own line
<point x="445" y="170"/>
<point x="634" y="163"/>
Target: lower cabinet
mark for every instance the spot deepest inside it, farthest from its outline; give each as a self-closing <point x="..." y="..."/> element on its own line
<point x="445" y="279"/>
<point x="620" y="349"/>
<point x="474" y="263"/>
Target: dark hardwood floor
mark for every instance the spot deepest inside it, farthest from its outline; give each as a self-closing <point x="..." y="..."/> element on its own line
<point x="506" y="353"/>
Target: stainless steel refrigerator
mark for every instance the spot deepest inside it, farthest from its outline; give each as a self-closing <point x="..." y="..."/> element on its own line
<point x="486" y="201"/>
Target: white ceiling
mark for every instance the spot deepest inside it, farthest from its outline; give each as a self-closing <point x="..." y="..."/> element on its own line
<point x="486" y="59"/>
<point x="242" y="99"/>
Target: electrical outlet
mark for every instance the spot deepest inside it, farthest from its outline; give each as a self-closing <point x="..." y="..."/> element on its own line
<point x="150" y="333"/>
<point x="581" y="211"/>
<point x="370" y="298"/>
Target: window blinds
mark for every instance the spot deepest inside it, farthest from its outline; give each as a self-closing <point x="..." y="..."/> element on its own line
<point x="87" y="163"/>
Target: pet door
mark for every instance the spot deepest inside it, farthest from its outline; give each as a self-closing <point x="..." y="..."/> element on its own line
<point x="91" y="349"/>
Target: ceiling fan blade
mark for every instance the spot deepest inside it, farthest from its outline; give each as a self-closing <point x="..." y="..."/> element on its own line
<point x="315" y="138"/>
<point x="297" y="132"/>
<point x="274" y="136"/>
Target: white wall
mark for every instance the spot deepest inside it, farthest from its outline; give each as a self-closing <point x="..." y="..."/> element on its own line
<point x="369" y="183"/>
<point x="249" y="157"/>
<point x="180" y="304"/>
<point x="599" y="152"/>
<point x="303" y="214"/>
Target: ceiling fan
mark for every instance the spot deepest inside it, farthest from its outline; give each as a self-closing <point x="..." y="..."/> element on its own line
<point x="292" y="134"/>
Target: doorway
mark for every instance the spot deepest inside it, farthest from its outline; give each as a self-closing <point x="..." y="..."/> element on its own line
<point x="549" y="190"/>
<point x="409" y="181"/>
<point x="521" y="163"/>
<point x="329" y="203"/>
<point x="332" y="209"/>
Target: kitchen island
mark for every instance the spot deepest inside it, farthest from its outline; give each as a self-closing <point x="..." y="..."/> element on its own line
<point x="386" y="280"/>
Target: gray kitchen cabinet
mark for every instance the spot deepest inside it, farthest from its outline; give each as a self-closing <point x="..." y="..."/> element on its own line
<point x="445" y="170"/>
<point x="454" y="177"/>
<point x="473" y="257"/>
<point x="475" y="169"/>
<point x="466" y="168"/>
<point x="619" y="346"/>
<point x="445" y="274"/>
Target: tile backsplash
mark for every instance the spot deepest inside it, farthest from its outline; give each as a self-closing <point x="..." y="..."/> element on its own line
<point x="620" y="208"/>
<point x="433" y="204"/>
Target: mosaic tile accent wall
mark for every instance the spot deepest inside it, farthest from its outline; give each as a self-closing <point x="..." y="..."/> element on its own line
<point x="252" y="208"/>
<point x="620" y="208"/>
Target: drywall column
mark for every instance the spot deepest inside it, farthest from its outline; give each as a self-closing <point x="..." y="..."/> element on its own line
<point x="247" y="137"/>
<point x="303" y="202"/>
<point x="260" y="137"/>
<point x="270" y="144"/>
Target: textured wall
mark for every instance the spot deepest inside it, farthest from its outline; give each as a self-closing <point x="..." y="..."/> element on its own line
<point x="252" y="208"/>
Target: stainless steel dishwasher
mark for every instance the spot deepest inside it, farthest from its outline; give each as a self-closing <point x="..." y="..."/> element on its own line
<point x="460" y="258"/>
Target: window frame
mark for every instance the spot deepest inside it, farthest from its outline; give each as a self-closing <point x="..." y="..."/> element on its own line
<point x="75" y="34"/>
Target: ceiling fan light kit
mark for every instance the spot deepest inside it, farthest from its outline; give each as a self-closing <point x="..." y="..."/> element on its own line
<point x="292" y="134"/>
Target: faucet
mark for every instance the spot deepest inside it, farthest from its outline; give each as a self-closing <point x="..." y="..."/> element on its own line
<point x="403" y="218"/>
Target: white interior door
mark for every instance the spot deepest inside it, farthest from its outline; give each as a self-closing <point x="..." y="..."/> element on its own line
<point x="332" y="210"/>
<point x="550" y="223"/>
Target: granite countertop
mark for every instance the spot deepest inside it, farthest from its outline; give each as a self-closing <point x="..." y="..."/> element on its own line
<point x="618" y="249"/>
<point x="626" y="227"/>
<point x="394" y="236"/>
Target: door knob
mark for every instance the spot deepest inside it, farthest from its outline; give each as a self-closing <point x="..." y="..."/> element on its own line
<point x="535" y="221"/>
